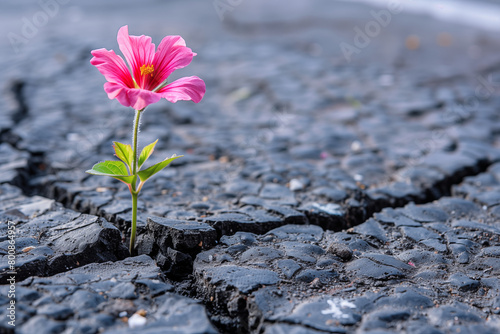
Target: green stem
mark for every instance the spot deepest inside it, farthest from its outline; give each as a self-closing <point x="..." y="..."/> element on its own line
<point x="136" y="131"/>
<point x="134" y="222"/>
<point x="133" y="191"/>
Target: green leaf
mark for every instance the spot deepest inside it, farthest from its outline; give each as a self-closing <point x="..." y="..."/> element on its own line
<point x="124" y="153"/>
<point x="116" y="169"/>
<point x="150" y="171"/>
<point x="146" y="153"/>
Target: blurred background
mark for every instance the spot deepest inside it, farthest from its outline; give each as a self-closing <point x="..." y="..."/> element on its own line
<point x="316" y="27"/>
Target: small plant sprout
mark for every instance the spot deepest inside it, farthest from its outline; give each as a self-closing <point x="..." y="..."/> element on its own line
<point x="143" y="83"/>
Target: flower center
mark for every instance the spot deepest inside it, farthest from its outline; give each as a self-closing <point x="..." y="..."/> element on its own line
<point x="147" y="69"/>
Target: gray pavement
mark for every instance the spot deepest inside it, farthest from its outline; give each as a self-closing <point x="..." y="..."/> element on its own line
<point x="340" y="174"/>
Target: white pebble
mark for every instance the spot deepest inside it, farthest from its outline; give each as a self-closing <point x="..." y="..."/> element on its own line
<point x="356" y="146"/>
<point x="295" y="185"/>
<point x="136" y="321"/>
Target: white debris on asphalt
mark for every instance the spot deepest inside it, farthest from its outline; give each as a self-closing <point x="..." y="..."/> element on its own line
<point x="136" y="321"/>
<point x="336" y="306"/>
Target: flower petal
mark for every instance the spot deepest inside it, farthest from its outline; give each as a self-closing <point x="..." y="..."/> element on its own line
<point x="188" y="88"/>
<point x="138" y="51"/>
<point x="141" y="98"/>
<point x="172" y="54"/>
<point x="131" y="97"/>
<point x="116" y="91"/>
<point x="112" y="67"/>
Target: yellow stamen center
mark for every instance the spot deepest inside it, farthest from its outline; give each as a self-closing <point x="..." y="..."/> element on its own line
<point x="147" y="69"/>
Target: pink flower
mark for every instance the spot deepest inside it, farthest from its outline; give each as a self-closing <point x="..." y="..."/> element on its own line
<point x="147" y="82"/>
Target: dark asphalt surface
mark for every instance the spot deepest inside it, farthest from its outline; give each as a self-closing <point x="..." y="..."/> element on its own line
<point x="319" y="193"/>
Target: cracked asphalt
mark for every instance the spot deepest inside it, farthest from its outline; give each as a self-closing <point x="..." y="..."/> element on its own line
<point x="341" y="174"/>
